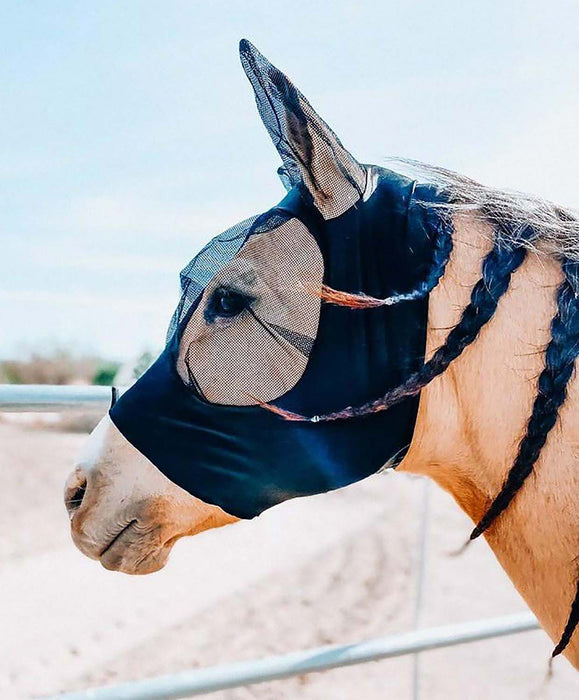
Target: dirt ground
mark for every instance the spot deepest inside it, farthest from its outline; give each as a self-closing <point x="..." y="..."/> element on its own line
<point x="330" y="569"/>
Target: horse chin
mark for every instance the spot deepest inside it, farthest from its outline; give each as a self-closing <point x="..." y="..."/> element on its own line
<point x="139" y="545"/>
<point x="137" y="560"/>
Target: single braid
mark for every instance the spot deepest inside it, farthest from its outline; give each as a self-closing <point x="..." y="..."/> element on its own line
<point x="498" y="266"/>
<point x="440" y="256"/>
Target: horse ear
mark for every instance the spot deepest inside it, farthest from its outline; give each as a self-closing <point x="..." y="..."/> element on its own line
<point x="310" y="151"/>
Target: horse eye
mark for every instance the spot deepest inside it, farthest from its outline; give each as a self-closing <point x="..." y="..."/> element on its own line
<point x="225" y="303"/>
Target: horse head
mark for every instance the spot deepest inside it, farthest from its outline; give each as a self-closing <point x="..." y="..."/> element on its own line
<point x="260" y="335"/>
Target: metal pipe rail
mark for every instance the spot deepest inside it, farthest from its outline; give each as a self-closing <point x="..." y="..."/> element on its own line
<point x="23" y="398"/>
<point x="209" y="680"/>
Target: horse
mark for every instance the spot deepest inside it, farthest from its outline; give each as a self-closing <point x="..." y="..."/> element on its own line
<point x="372" y="319"/>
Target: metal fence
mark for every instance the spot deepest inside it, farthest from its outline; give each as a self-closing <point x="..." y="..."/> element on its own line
<point x="45" y="398"/>
<point x="209" y="680"/>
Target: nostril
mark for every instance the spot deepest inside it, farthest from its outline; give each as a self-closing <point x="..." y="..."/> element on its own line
<point x="75" y="490"/>
<point x="77" y="496"/>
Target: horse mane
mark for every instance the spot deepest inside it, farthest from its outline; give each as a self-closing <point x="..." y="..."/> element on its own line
<point x="556" y="228"/>
<point x="520" y="223"/>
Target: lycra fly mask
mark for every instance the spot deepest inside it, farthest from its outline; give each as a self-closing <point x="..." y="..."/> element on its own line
<point x="251" y="327"/>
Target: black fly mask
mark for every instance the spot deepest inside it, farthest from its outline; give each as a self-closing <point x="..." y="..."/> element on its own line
<point x="251" y="327"/>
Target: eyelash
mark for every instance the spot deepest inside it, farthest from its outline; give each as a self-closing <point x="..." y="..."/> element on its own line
<point x="215" y="309"/>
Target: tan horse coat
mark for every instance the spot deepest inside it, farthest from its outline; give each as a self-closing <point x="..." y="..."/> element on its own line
<point x="472" y="417"/>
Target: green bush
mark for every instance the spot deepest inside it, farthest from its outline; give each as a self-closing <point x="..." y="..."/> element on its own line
<point x="105" y="373"/>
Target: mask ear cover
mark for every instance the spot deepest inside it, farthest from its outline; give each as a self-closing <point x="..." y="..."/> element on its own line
<point x="311" y="153"/>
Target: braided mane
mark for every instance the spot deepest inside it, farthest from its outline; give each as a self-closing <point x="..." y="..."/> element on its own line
<point x="520" y="224"/>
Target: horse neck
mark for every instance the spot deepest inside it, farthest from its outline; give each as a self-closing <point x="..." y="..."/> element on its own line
<point x="472" y="417"/>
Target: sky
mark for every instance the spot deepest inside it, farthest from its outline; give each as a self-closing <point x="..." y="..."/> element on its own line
<point x="130" y="136"/>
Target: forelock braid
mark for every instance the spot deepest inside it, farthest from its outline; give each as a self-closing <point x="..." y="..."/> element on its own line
<point x="560" y="356"/>
<point x="440" y="256"/>
<point x="497" y="268"/>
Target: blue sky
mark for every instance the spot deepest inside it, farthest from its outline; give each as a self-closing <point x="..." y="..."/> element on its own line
<point x="130" y="136"/>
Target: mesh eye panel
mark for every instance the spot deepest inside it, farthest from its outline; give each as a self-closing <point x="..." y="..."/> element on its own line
<point x="261" y="353"/>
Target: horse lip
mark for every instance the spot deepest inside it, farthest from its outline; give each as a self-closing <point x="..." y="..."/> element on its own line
<point x="116" y="537"/>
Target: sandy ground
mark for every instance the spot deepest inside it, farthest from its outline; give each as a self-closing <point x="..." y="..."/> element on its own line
<point x="330" y="569"/>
